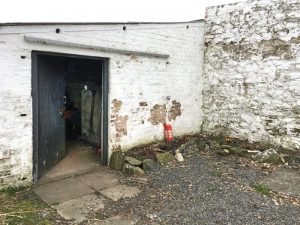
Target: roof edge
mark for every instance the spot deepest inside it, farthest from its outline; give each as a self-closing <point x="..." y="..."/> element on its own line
<point x="92" y="23"/>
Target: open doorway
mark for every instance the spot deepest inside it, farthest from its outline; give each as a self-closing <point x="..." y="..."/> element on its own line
<point x="70" y="109"/>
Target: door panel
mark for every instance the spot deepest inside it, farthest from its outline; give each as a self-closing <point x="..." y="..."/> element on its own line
<point x="51" y="126"/>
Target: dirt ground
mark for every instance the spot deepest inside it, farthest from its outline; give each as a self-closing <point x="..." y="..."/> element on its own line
<point x="207" y="188"/>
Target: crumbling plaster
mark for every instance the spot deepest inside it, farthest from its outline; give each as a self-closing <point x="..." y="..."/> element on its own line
<point x="136" y="83"/>
<point x="250" y="87"/>
<point x="252" y="71"/>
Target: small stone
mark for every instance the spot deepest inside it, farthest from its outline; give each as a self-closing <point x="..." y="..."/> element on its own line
<point x="190" y="151"/>
<point x="163" y="146"/>
<point x="282" y="159"/>
<point x="132" y="161"/>
<point x="223" y="152"/>
<point x="132" y="170"/>
<point x="225" y="146"/>
<point x="231" y="150"/>
<point x="206" y="147"/>
<point x="293" y="160"/>
<point x="189" y="147"/>
<point x="117" y="220"/>
<point x="142" y="180"/>
<point x="151" y="216"/>
<point x="266" y="166"/>
<point x="117" y="160"/>
<point x="267" y="156"/>
<point x="149" y="164"/>
<point x="179" y="157"/>
<point x="167" y="146"/>
<point x="213" y="145"/>
<point x="164" y="159"/>
<point x="239" y="151"/>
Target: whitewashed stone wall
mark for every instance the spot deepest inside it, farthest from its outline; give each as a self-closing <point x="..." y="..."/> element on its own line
<point x="140" y="87"/>
<point x="252" y="71"/>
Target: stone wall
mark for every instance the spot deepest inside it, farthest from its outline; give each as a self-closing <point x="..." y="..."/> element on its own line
<point x="252" y="71"/>
<point x="143" y="90"/>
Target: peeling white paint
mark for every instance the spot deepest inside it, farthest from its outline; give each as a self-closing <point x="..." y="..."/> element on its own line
<point x="133" y="79"/>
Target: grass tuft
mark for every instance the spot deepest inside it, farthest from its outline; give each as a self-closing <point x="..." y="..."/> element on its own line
<point x="217" y="173"/>
<point x="13" y="190"/>
<point x="263" y="189"/>
<point x="18" y="205"/>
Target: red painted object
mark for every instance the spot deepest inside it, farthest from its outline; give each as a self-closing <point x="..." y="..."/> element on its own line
<point x="67" y="114"/>
<point x="168" y="132"/>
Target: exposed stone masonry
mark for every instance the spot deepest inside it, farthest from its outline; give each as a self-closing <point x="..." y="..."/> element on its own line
<point x="252" y="71"/>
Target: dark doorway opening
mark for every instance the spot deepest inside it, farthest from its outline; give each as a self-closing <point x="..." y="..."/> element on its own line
<point x="70" y="95"/>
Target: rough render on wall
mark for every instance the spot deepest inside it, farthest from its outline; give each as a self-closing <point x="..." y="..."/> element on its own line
<point x="252" y="71"/>
<point x="144" y="91"/>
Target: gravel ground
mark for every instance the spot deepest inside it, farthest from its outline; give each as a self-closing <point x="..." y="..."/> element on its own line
<point x="205" y="189"/>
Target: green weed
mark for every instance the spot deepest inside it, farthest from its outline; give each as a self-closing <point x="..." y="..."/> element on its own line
<point x="217" y="173"/>
<point x="13" y="190"/>
<point x="263" y="189"/>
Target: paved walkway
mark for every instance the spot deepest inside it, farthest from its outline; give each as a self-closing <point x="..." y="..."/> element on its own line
<point x="286" y="181"/>
<point x="78" y="197"/>
<point x="81" y="158"/>
<point x="189" y="193"/>
<point x="78" y="186"/>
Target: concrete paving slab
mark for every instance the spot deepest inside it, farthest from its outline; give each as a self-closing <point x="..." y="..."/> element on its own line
<point x="286" y="181"/>
<point x="62" y="190"/>
<point x="117" y="220"/>
<point x="81" y="158"/>
<point x="78" y="209"/>
<point x="120" y="191"/>
<point x="99" y="180"/>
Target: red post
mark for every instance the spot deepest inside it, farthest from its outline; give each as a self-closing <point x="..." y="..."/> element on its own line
<point x="168" y="132"/>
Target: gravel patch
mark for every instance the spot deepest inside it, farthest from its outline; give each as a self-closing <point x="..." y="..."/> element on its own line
<point x="205" y="189"/>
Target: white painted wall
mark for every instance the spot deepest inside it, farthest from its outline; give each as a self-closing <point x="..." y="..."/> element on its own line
<point x="133" y="79"/>
<point x="252" y="71"/>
